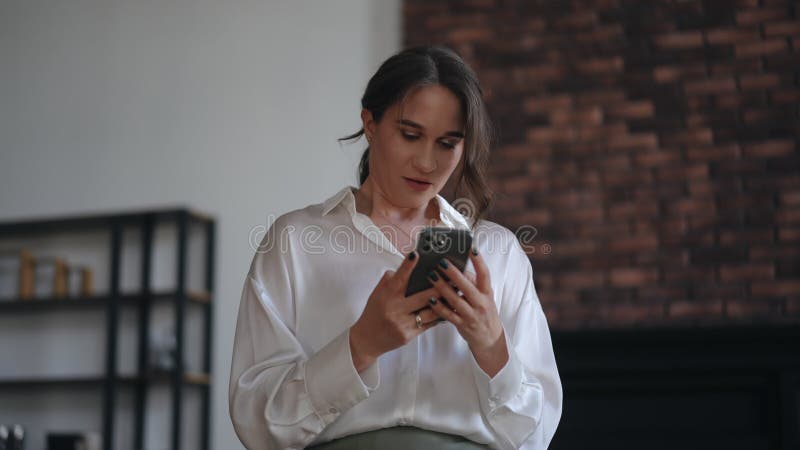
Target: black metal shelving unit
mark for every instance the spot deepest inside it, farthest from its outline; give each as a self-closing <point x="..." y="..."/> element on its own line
<point x="142" y="301"/>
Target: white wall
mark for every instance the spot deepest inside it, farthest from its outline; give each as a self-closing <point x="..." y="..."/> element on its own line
<point x="229" y="107"/>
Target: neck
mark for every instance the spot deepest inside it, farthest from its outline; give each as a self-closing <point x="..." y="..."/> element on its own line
<point x="371" y="201"/>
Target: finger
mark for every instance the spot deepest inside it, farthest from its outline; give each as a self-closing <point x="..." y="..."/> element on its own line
<point x="404" y="271"/>
<point x="460" y="281"/>
<point x="427" y="315"/>
<point x="445" y="313"/>
<point x="419" y="300"/>
<point x="453" y="299"/>
<point x="470" y="276"/>
<point x="482" y="280"/>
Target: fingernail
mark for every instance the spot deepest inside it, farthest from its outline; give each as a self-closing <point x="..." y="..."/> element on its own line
<point x="443" y="263"/>
<point x="474" y="251"/>
<point x="432" y="300"/>
<point x="433" y="276"/>
<point x="412" y="255"/>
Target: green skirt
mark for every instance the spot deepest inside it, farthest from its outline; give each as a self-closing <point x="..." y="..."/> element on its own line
<point x="400" y="438"/>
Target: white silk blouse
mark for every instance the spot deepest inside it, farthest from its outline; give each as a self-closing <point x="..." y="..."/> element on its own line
<point x="293" y="382"/>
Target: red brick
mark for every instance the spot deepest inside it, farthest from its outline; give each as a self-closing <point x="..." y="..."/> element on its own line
<point x="470" y="34"/>
<point x="600" y="97"/>
<point x="538" y="74"/>
<point x="575" y="248"/>
<point x="731" y="35"/>
<point x="593" y="134"/>
<point x="788" y="28"/>
<point x="692" y="136"/>
<point x="767" y="47"/>
<point x="636" y="243"/>
<point x="687" y="39"/>
<point x="668" y="74"/>
<point x="633" y="141"/>
<point x="632" y="210"/>
<point x="730" y="272"/>
<point x="775" y="288"/>
<point x="788" y="216"/>
<point x="711" y="86"/>
<point x="791" y="198"/>
<point x="599" y="33"/>
<point x="749" y="308"/>
<point x="690" y="206"/>
<point x="525" y="152"/>
<point x="745" y="237"/>
<point x="712" y="153"/>
<point x="682" y="173"/>
<point x="632" y="276"/>
<point x="755" y="16"/>
<point x="789" y="234"/>
<point x="694" y="309"/>
<point x="588" y="214"/>
<point x="576" y="20"/>
<point x="552" y="135"/>
<point x="587" y="116"/>
<point x="788" y="96"/>
<point x="779" y="147"/>
<point x="537" y="105"/>
<point x="534" y="217"/>
<point x="580" y="279"/>
<point x="601" y="65"/>
<point x="655" y="158"/>
<point x="761" y="81"/>
<point x="631" y="110"/>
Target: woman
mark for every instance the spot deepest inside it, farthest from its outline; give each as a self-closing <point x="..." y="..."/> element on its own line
<point x="330" y="354"/>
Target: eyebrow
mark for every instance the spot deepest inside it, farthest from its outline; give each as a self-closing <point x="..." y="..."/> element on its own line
<point x="410" y="123"/>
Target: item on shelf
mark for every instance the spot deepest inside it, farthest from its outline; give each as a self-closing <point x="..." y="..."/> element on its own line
<point x="16" y="439"/>
<point x="27" y="275"/>
<point x="89" y="440"/>
<point x="51" y="277"/>
<point x="16" y="274"/>
<point x="3" y="437"/>
<point x="81" y="282"/>
<point x="163" y="347"/>
<point x="9" y="270"/>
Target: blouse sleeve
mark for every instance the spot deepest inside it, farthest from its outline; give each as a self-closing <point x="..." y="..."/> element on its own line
<point x="279" y="397"/>
<point x="522" y="402"/>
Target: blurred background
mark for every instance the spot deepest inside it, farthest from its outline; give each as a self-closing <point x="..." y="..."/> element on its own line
<point x="652" y="145"/>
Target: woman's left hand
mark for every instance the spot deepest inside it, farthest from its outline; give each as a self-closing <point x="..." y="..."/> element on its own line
<point x="474" y="314"/>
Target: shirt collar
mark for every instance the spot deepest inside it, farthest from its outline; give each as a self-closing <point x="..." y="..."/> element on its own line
<point x="447" y="213"/>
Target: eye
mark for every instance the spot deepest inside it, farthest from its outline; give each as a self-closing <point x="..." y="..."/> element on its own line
<point x="448" y="145"/>
<point x="410" y="137"/>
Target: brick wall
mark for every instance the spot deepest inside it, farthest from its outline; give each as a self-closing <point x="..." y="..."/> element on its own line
<point x="653" y="145"/>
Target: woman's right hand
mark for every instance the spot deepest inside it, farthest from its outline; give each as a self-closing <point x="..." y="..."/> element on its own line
<point x="389" y="318"/>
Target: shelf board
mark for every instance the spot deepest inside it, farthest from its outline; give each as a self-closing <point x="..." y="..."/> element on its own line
<point x="189" y="379"/>
<point x="47" y="303"/>
<point x="91" y="220"/>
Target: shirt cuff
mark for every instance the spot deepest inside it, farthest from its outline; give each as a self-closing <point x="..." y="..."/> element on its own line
<point x="332" y="382"/>
<point x="499" y="390"/>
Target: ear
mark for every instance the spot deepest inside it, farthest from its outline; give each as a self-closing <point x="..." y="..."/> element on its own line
<point x="367" y="122"/>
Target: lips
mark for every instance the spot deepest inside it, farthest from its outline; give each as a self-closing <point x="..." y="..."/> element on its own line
<point x="418" y="180"/>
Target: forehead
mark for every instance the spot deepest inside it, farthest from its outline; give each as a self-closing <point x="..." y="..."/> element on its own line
<point x="434" y="107"/>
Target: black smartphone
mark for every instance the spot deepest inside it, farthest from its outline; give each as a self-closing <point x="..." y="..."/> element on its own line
<point x="433" y="244"/>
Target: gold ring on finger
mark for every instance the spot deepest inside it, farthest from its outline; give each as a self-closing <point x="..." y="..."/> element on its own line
<point x="418" y="319"/>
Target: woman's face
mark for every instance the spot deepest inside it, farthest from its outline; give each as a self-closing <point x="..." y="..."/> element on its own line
<point x="423" y="139"/>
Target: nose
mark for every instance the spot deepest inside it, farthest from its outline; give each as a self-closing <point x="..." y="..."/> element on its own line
<point x="425" y="160"/>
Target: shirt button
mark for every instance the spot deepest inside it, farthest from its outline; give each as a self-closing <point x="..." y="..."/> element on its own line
<point x="402" y="422"/>
<point x="333" y="410"/>
<point x="492" y="404"/>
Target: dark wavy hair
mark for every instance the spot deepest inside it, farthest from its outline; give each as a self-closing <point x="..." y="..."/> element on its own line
<point x="437" y="65"/>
